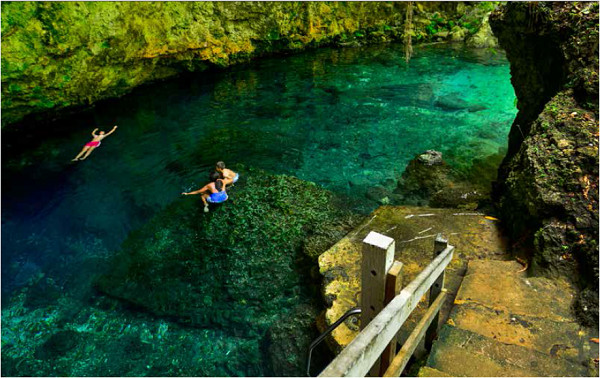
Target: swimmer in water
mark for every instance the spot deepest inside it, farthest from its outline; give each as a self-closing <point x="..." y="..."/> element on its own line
<point x="90" y="146"/>
<point x="213" y="192"/>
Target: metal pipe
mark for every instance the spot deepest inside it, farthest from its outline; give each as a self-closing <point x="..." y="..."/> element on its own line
<point x="318" y="340"/>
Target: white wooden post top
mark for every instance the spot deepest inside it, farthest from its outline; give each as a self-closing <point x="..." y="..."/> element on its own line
<point x="378" y="240"/>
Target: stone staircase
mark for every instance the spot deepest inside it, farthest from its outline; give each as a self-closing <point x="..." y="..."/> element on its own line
<point x="505" y="324"/>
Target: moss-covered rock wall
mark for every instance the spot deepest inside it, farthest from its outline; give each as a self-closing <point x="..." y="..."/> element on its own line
<point x="548" y="183"/>
<point x="64" y="55"/>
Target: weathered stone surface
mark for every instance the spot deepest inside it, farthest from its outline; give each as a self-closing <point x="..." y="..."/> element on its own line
<point x="413" y="229"/>
<point x="426" y="174"/>
<point x="460" y="196"/>
<point x="547" y="188"/>
<point x="484" y="38"/>
<point x="463" y="353"/>
<point x="458" y="34"/>
<point x="505" y="323"/>
<point x="426" y="371"/>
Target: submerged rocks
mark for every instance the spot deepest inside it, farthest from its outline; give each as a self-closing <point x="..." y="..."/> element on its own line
<point x="58" y="345"/>
<point x="380" y="195"/>
<point x="454" y="102"/>
<point x="288" y="340"/>
<point x="239" y="266"/>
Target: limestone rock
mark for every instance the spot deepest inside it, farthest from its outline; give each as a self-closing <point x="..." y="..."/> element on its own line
<point x="458" y="34"/>
<point x="57" y="57"/>
<point x="442" y="34"/>
<point x="474" y="237"/>
<point x="426" y="174"/>
<point x="379" y="194"/>
<point x="61" y="55"/>
<point x="460" y="196"/>
<point x="431" y="157"/>
<point x="484" y="37"/>
<point x="505" y="323"/>
<point x="548" y="195"/>
<point x="249" y="250"/>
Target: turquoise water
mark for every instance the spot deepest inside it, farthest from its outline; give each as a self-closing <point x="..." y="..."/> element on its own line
<point x="343" y="118"/>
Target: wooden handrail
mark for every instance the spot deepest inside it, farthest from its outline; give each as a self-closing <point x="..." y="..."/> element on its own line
<point x="399" y="362"/>
<point x="358" y="357"/>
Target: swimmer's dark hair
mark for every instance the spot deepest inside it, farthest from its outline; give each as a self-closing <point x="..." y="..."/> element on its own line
<point x="220" y="165"/>
<point x="215" y="176"/>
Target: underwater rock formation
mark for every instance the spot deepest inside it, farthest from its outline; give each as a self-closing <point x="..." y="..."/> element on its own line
<point x="288" y="341"/>
<point x="59" y="57"/>
<point x="547" y="187"/>
<point x="237" y="268"/>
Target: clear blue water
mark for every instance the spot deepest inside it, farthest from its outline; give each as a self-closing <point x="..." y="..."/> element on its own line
<point x="327" y="116"/>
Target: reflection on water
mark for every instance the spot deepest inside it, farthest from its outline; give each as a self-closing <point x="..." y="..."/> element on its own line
<point x="326" y="116"/>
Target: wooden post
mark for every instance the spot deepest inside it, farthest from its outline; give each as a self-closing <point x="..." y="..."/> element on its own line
<point x="439" y="246"/>
<point x="393" y="286"/>
<point x="377" y="259"/>
<point x="359" y="356"/>
<point x="413" y="341"/>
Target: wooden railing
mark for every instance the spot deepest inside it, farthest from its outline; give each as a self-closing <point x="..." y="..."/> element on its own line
<point x="385" y="308"/>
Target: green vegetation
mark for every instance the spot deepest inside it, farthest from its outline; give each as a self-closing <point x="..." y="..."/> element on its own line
<point x="111" y="43"/>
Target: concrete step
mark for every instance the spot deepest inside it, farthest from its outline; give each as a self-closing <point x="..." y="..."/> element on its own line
<point x="426" y="371"/>
<point x="497" y="301"/>
<point x="504" y="323"/>
<point x="461" y="352"/>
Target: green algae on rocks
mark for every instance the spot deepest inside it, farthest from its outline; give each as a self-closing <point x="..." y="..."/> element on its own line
<point x="60" y="56"/>
<point x="548" y="183"/>
<point x="237" y="267"/>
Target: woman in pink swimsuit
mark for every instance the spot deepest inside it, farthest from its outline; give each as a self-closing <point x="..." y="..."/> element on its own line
<point x="90" y="146"/>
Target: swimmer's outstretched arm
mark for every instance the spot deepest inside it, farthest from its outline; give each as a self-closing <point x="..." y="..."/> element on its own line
<point x="111" y="131"/>
<point x="199" y="191"/>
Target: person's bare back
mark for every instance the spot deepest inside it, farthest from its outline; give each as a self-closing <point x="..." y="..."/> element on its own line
<point x="229" y="177"/>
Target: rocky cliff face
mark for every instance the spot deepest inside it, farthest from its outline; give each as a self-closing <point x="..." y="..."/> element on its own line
<point x="548" y="183"/>
<point x="67" y="55"/>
